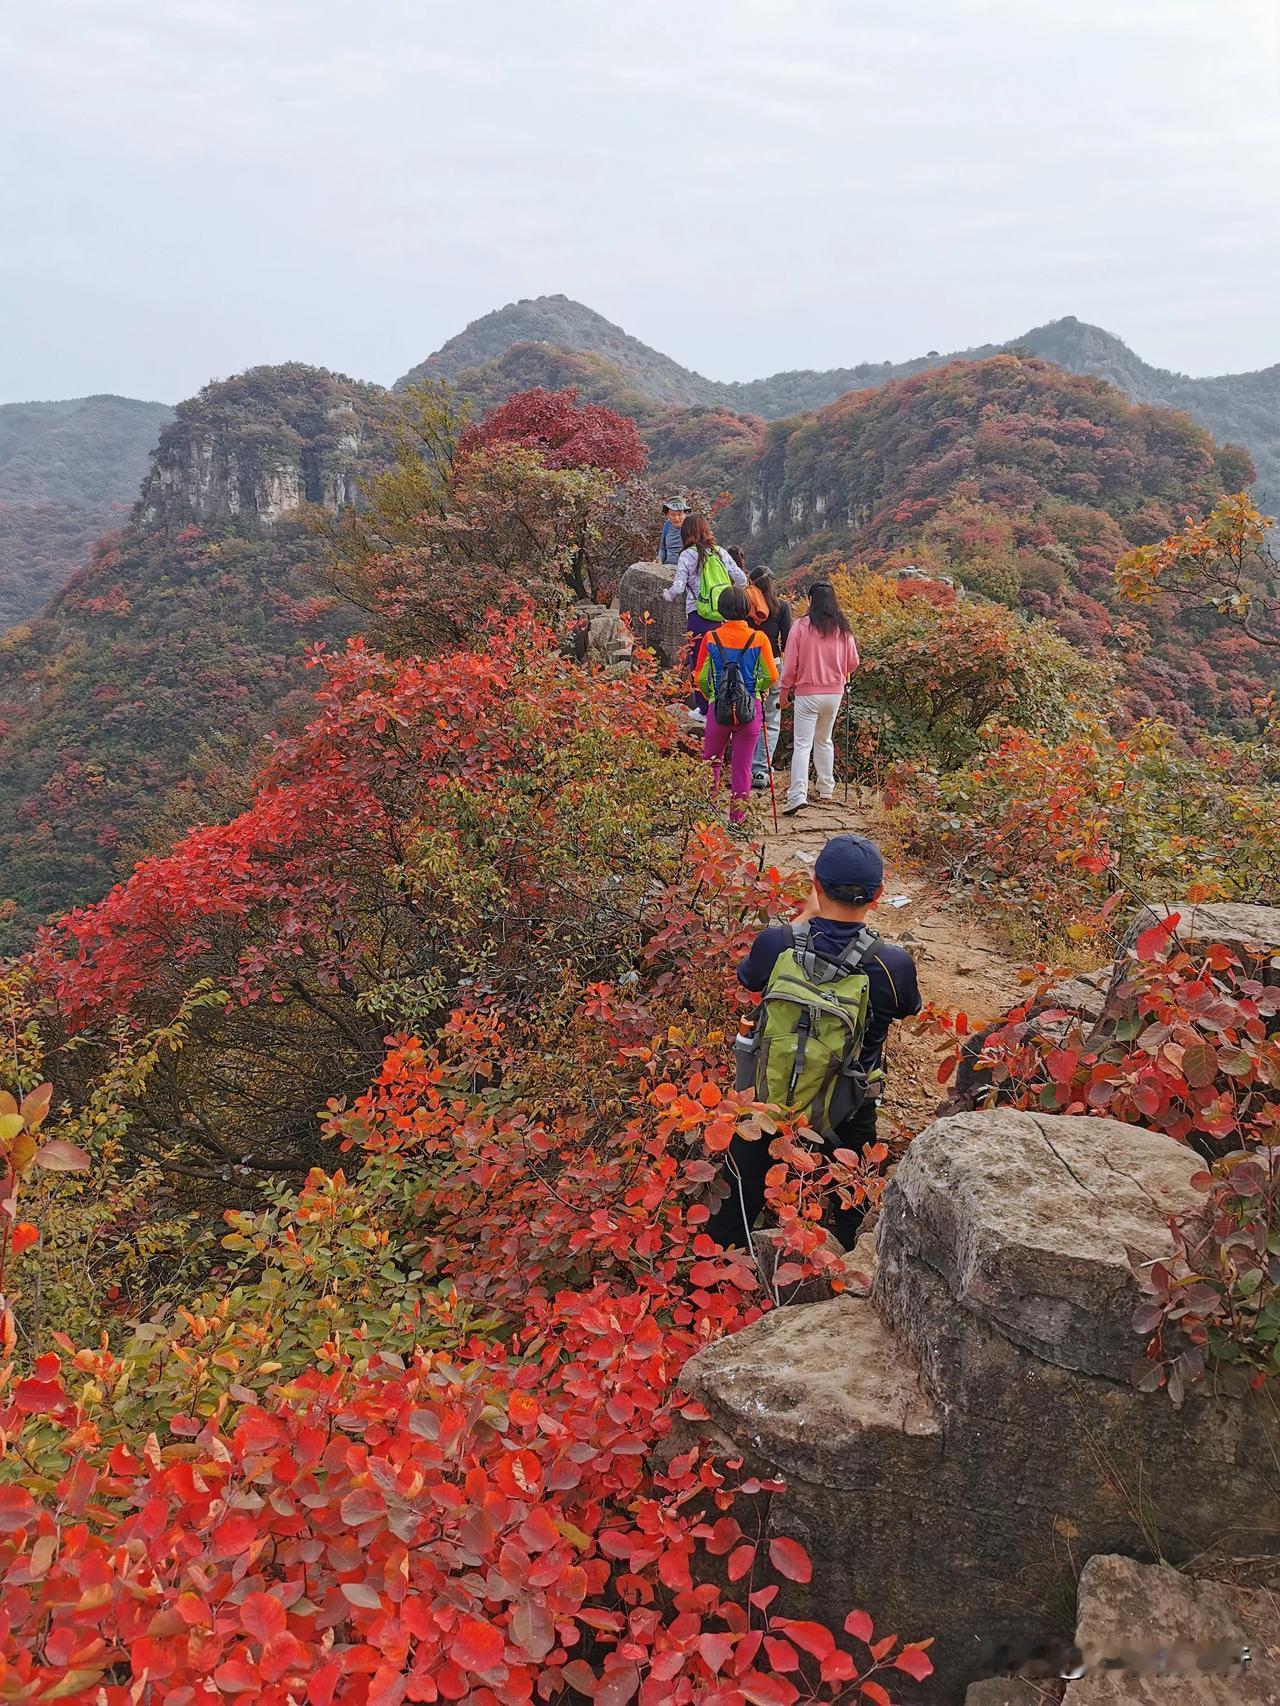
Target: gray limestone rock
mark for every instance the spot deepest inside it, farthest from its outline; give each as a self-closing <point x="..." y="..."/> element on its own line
<point x="823" y="1390"/>
<point x="654" y="622"/>
<point x="1028" y="1218"/>
<point x="1182" y="1636"/>
<point x="1254" y="931"/>
<point x="955" y="1447"/>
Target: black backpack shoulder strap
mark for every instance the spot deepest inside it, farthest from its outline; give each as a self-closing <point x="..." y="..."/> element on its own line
<point x="818" y="968"/>
<point x="858" y="950"/>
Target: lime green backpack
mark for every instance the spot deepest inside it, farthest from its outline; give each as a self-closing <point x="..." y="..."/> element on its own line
<point x="712" y="580"/>
<point x="811" y="1029"/>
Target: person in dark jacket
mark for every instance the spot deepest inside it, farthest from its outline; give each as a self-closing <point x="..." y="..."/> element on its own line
<point x="848" y="880"/>
<point x="772" y="616"/>
<point x="673" y="514"/>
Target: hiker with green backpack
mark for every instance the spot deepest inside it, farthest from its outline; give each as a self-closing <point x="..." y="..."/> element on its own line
<point x="830" y="988"/>
<point x="703" y="571"/>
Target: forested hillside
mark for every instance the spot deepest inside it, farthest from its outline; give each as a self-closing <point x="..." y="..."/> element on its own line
<point x="186" y="629"/>
<point x="1238" y="408"/>
<point x="1026" y="485"/>
<point x="69" y="472"/>
<point x="185" y="635"/>
<point x="361" y="1146"/>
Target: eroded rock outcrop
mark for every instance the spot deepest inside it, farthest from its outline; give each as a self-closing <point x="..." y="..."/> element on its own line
<point x="598" y="632"/>
<point x="256" y="448"/>
<point x="959" y="1443"/>
<point x="1253" y="932"/>
<point x="654" y="622"/>
<point x="1176" y="1639"/>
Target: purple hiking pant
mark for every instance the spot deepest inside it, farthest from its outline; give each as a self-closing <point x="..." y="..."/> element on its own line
<point x="696" y="627"/>
<point x="742" y="745"/>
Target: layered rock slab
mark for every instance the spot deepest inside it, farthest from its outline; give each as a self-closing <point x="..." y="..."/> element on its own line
<point x="654" y="622"/>
<point x="1181" y="1634"/>
<point x="1028" y="1219"/>
<point x="957" y="1446"/>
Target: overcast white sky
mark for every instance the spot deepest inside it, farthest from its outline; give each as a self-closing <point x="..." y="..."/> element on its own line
<point x="193" y="186"/>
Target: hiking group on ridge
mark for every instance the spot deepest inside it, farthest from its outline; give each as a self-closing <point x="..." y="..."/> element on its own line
<point x="738" y="628"/>
<point x="830" y="988"/>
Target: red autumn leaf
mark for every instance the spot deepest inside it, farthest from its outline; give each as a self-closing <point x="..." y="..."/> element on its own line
<point x="816" y="1639"/>
<point x="24" y="1235"/>
<point x="859" y="1625"/>
<point x="478" y="1645"/>
<point x="757" y="1689"/>
<point x="57" y="1156"/>
<point x="1152" y="943"/>
<point x="782" y="1655"/>
<point x="518" y="1474"/>
<point x="1200" y="1065"/>
<point x="618" y="1684"/>
<point x="873" y="1692"/>
<point x="716" y="1650"/>
<point x="235" y="1534"/>
<point x="262" y="1616"/>
<point x="741" y="1560"/>
<point x="790" y="1559"/>
<point x="17" y="1508"/>
<point x="914" y="1661"/>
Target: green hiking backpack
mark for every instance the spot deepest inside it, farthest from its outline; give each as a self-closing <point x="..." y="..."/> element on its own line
<point x="811" y="1030"/>
<point x="712" y="580"/>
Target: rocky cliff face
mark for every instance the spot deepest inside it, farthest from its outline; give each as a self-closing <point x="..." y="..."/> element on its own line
<point x="259" y="447"/>
<point x="955" y="1446"/>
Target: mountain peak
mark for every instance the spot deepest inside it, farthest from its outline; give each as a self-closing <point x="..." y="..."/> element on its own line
<point x="568" y="325"/>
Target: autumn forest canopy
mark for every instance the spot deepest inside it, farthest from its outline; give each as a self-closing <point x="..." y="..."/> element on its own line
<point x="365" y="1062"/>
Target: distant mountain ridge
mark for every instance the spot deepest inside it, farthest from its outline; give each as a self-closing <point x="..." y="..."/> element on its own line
<point x="1238" y="408"/>
<point x="69" y="472"/>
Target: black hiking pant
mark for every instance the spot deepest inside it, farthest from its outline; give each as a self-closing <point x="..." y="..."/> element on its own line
<point x="743" y="1170"/>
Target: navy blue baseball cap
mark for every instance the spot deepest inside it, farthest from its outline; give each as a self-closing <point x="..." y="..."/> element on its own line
<point x="850" y="862"/>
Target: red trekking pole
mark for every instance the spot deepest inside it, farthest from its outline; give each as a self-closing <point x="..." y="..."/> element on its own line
<point x="773" y="798"/>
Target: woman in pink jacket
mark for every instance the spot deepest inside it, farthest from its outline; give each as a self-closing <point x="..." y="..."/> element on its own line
<point x="819" y="659"/>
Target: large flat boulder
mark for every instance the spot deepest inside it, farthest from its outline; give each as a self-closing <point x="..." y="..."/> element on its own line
<point x="822" y="1392"/>
<point x="1253" y="931"/>
<point x="955" y="1446"/>
<point x="654" y="622"/>
<point x="1028" y="1219"/>
<point x="1181" y="1634"/>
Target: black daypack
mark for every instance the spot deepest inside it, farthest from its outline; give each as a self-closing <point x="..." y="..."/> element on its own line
<point x="735" y="704"/>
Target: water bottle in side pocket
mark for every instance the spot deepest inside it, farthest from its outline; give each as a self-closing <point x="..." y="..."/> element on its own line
<point x="745" y="1048"/>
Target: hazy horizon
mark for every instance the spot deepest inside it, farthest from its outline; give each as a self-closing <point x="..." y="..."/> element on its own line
<point x="212" y="184"/>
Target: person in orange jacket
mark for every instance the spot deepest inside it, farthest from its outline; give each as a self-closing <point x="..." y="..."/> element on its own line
<point x="735" y="668"/>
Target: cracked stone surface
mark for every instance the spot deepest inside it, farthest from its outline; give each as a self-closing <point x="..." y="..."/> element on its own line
<point x="823" y="1390"/>
<point x="654" y="622"/>
<point x="956" y="1446"/>
<point x="1029" y="1218"/>
<point x="1192" y="1627"/>
<point x="1254" y="931"/>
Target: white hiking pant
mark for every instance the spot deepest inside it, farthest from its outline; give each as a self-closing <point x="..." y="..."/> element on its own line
<point x="815" y="718"/>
